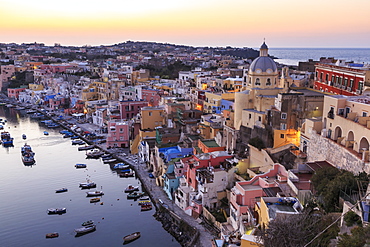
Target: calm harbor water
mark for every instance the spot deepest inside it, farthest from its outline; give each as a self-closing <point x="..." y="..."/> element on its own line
<point x="26" y="192"/>
<point x="291" y="56"/>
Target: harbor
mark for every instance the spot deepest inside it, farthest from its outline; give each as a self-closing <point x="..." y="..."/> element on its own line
<point x="191" y="233"/>
<point x="28" y="192"/>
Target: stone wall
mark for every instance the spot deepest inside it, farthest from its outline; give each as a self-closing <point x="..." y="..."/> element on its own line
<point x="321" y="148"/>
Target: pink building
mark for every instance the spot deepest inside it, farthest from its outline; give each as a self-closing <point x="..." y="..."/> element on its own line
<point x="56" y="68"/>
<point x="151" y="96"/>
<point x="129" y="109"/>
<point x="14" y="92"/>
<point x="118" y="134"/>
<point x="204" y="160"/>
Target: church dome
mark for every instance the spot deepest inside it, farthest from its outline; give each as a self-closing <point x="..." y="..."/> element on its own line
<point x="263" y="64"/>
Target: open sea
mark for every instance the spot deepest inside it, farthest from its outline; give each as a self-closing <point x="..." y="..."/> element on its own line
<point x="26" y="192"/>
<point x="291" y="56"/>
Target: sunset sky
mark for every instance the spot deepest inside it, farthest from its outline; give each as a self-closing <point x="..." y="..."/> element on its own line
<point x="236" y="23"/>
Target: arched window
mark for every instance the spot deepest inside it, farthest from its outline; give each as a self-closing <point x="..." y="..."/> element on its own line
<point x="268" y="83"/>
<point x="258" y="81"/>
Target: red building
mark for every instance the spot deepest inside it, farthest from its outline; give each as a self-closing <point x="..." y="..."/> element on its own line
<point x="129" y="109"/>
<point x="349" y="79"/>
<point x="14" y="92"/>
<point x="152" y="96"/>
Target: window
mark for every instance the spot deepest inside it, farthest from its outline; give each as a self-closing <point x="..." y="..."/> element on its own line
<point x="364" y="114"/>
<point x="283" y="126"/>
<point x="345" y="82"/>
<point x="250" y="116"/>
<point x="259" y="118"/>
<point x="327" y="77"/>
<point x="268" y="83"/>
<point x="282" y="136"/>
<point x="283" y="115"/>
<point x="121" y="130"/>
<point x="258" y="81"/>
<point x="150" y="113"/>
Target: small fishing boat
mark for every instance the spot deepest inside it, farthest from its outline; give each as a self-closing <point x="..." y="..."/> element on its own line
<point x="85" y="229"/>
<point x="6" y="139"/>
<point x="131" y="237"/>
<point x="24" y="137"/>
<point x="109" y="161"/>
<point x="88" y="185"/>
<point x="135" y="195"/>
<point x="57" y="210"/>
<point x="131" y="188"/>
<point x="28" y="156"/>
<point x="52" y="235"/>
<point x="93" y="200"/>
<point x="127" y="174"/>
<point x="78" y="142"/>
<point x="86" y="147"/>
<point x="95" y="154"/>
<point x="46" y="133"/>
<point x="94" y="193"/>
<point x="80" y="165"/>
<point x="121" y="166"/>
<point x="87" y="223"/>
<point x="146" y="206"/>
<point x="61" y="190"/>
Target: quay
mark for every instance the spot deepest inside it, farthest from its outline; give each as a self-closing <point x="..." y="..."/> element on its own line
<point x="195" y="234"/>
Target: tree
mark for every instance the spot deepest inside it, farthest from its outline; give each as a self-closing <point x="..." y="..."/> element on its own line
<point x="328" y="182"/>
<point x="257" y="142"/>
<point x="358" y="238"/>
<point x="297" y="230"/>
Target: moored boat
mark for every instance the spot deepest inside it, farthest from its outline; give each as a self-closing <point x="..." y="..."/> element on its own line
<point x="28" y="156"/>
<point x="80" y="165"/>
<point x="87" y="223"/>
<point x="57" y="210"/>
<point x="61" y="190"/>
<point x="86" y="147"/>
<point x="6" y="139"/>
<point x="85" y="229"/>
<point x="78" y="142"/>
<point x="120" y="166"/>
<point x="146" y="206"/>
<point x="135" y="195"/>
<point x="95" y="154"/>
<point x="127" y="174"/>
<point x="46" y="133"/>
<point x="131" y="237"/>
<point x="131" y="188"/>
<point x="24" y="137"/>
<point x="109" y="161"/>
<point x="93" y="200"/>
<point x="94" y="193"/>
<point x="88" y="185"/>
<point x="52" y="235"/>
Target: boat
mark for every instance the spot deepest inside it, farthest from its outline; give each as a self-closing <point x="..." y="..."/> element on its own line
<point x="87" y="223"/>
<point x="64" y="132"/>
<point x="52" y="235"/>
<point x="57" y="210"/>
<point x="6" y="139"/>
<point x="30" y="111"/>
<point x="146" y="206"/>
<point x="144" y="199"/>
<point x="95" y="154"/>
<point x="74" y="137"/>
<point x="106" y="156"/>
<point x="109" y="161"/>
<point x="127" y="174"/>
<point x="93" y="200"/>
<point x="61" y="190"/>
<point x="46" y="133"/>
<point x="94" y="193"/>
<point x="28" y="156"/>
<point x="53" y="125"/>
<point x="86" y="147"/>
<point x="88" y="185"/>
<point x="85" y="229"/>
<point x="131" y="237"/>
<point x="131" y="188"/>
<point x="68" y="135"/>
<point x="24" y="137"/>
<point x="120" y="166"/>
<point x="80" y="165"/>
<point x="78" y="142"/>
<point x="135" y="195"/>
<point x="1" y="127"/>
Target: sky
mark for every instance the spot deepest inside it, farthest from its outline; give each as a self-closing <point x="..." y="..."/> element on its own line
<point x="216" y="23"/>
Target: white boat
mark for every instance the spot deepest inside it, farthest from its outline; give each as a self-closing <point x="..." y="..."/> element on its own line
<point x="131" y="237"/>
<point x="94" y="193"/>
<point x="57" y="210"/>
<point x="85" y="229"/>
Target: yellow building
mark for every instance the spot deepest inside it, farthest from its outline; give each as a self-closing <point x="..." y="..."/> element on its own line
<point x="152" y="117"/>
<point x="212" y="102"/>
<point x="36" y="87"/>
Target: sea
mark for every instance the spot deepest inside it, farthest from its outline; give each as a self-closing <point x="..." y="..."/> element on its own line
<point x="291" y="56"/>
<point x="26" y="192"/>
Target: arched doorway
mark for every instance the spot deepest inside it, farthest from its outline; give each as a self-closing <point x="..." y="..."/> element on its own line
<point x="364" y="149"/>
<point x="350" y="140"/>
<point x="337" y="133"/>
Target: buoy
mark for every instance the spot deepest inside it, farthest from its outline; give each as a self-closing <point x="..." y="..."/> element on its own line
<point x="102" y="218"/>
